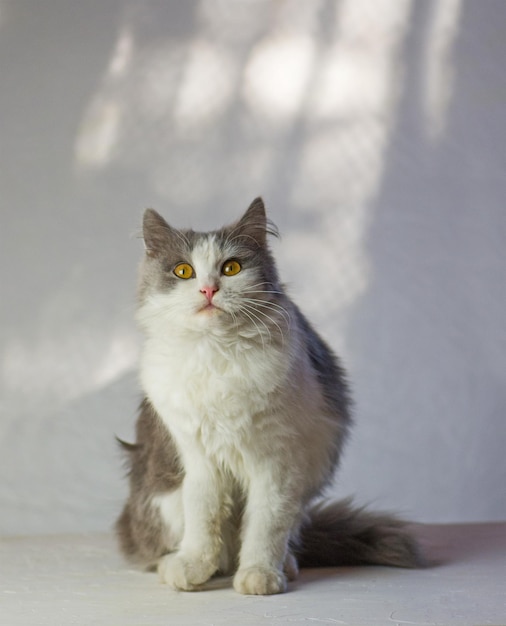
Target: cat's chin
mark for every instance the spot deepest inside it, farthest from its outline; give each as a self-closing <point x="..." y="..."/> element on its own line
<point x="207" y="318"/>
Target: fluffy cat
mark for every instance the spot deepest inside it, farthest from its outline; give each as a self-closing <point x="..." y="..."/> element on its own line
<point x="245" y="413"/>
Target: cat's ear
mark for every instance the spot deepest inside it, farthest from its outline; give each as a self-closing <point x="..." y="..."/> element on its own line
<point x="254" y="223"/>
<point x="156" y="232"/>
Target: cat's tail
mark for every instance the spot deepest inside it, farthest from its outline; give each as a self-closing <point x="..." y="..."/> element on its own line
<point x="338" y="533"/>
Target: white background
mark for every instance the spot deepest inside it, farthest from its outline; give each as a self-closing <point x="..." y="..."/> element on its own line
<point x="375" y="131"/>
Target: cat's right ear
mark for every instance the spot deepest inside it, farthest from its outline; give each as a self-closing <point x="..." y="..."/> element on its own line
<point x="254" y="224"/>
<point x="156" y="232"/>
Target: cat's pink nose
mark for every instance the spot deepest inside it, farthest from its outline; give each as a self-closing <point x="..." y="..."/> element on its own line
<point x="209" y="291"/>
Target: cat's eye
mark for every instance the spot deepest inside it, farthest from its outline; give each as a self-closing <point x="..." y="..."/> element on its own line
<point x="231" y="268"/>
<point x="183" y="270"/>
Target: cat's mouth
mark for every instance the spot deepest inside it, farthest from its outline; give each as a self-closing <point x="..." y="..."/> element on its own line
<point x="209" y="308"/>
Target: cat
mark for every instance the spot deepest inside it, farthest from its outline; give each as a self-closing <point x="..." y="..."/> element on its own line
<point x="242" y="424"/>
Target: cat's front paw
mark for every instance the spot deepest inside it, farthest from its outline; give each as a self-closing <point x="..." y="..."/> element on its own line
<point x="185" y="574"/>
<point x="259" y="581"/>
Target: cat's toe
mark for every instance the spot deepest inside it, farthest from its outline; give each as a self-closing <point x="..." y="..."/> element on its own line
<point x="259" y="581"/>
<point x="184" y="574"/>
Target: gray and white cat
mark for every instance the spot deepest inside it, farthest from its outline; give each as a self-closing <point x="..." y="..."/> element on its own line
<point x="245" y="413"/>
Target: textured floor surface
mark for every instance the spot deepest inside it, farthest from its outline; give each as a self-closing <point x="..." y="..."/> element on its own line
<point x="81" y="579"/>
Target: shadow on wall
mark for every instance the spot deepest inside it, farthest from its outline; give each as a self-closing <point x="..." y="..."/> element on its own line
<point x="212" y="101"/>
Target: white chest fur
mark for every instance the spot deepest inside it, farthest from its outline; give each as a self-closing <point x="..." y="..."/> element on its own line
<point x="209" y="390"/>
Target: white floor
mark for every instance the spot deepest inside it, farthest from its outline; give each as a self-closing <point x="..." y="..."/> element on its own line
<point x="81" y="579"/>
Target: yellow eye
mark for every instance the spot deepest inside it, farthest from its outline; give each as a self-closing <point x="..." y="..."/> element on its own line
<point x="231" y="268"/>
<point x="183" y="270"/>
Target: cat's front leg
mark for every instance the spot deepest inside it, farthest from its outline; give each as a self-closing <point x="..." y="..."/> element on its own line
<point x="198" y="556"/>
<point x="271" y="513"/>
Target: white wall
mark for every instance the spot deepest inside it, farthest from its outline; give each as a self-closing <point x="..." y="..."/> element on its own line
<point x="375" y="130"/>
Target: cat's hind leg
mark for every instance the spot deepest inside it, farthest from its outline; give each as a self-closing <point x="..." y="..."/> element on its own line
<point x="148" y="529"/>
<point x="291" y="567"/>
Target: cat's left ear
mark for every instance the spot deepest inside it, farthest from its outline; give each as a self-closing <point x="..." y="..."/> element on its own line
<point x="156" y="232"/>
<point x="254" y="224"/>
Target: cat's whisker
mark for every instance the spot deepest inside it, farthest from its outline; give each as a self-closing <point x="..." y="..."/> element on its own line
<point x="250" y="311"/>
<point x="155" y="312"/>
<point x="251" y="289"/>
<point x="230" y="240"/>
<point x="276" y="308"/>
<point x="273" y="321"/>
<point x="263" y="291"/>
<point x="182" y="237"/>
<point x="248" y="306"/>
<point x="267" y="302"/>
<point x="236" y="321"/>
<point x="264" y="282"/>
<point x="252" y="307"/>
<point x="266" y="227"/>
<point x="249" y="316"/>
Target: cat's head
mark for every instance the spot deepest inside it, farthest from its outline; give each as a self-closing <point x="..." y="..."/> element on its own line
<point x="216" y="279"/>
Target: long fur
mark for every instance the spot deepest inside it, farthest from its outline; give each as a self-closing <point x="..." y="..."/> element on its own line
<point x="245" y="413"/>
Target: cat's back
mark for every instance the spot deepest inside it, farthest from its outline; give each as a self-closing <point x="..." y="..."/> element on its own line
<point x="327" y="368"/>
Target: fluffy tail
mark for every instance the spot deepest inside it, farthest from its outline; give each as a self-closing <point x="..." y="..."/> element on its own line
<point x="340" y="534"/>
